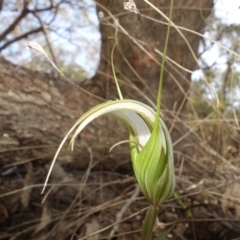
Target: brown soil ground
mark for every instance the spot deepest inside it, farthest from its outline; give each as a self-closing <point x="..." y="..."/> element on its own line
<point x="77" y="203"/>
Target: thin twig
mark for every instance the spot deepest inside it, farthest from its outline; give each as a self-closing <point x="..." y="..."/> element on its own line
<point x="123" y="210"/>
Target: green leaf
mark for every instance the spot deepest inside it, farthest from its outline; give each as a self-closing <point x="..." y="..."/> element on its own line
<point x="164" y="234"/>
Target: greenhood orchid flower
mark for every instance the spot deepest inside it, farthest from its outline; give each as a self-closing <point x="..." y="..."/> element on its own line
<point x="150" y="145"/>
<point x="150" y="142"/>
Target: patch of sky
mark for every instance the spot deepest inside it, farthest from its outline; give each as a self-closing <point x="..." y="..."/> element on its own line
<point x="228" y="12"/>
<point x="74" y="32"/>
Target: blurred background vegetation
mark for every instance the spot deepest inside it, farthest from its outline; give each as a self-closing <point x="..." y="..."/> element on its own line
<point x="90" y="187"/>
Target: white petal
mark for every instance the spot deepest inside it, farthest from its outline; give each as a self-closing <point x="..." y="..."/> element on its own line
<point x="141" y="119"/>
<point x="136" y="122"/>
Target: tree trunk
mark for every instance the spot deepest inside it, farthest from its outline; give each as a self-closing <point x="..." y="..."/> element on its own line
<point x="145" y="28"/>
<point x="36" y="112"/>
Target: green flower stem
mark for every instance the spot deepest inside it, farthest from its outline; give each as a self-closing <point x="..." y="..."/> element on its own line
<point x="113" y="70"/>
<point x="159" y="98"/>
<point x="149" y="222"/>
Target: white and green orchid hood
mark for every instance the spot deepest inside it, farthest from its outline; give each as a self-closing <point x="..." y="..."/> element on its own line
<point x="150" y="145"/>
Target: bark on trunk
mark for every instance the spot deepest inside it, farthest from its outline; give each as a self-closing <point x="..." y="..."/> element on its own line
<point x="37" y="110"/>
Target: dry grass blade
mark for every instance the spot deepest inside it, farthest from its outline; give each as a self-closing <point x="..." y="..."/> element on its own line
<point x="34" y="45"/>
<point x="28" y="181"/>
<point x="123" y="210"/>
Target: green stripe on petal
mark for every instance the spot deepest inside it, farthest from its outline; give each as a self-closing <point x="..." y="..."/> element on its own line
<point x="152" y="158"/>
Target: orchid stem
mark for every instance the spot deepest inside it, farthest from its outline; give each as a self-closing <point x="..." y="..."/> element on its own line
<point x="113" y="70"/>
<point x="149" y="222"/>
<point x="159" y="97"/>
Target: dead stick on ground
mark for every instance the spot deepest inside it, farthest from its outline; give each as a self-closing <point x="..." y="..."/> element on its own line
<point x="123" y="210"/>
